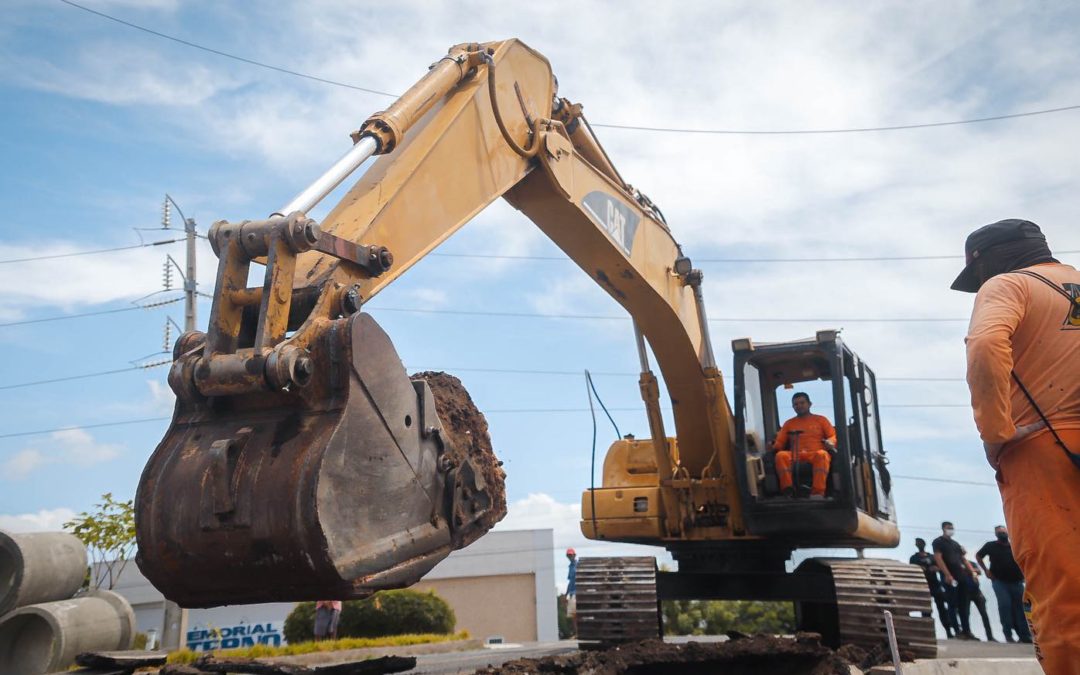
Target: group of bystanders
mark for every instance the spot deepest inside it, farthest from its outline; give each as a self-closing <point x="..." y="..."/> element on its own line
<point x="953" y="579"/>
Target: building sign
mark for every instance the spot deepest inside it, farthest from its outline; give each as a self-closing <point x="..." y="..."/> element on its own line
<point x="232" y="637"/>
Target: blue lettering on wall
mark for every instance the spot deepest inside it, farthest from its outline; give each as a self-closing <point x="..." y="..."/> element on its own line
<point x="231" y="637"/>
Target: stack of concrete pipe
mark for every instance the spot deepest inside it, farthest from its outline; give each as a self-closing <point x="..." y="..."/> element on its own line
<point x="44" y="620"/>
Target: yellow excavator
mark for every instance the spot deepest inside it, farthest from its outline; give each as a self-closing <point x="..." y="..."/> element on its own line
<point x="303" y="462"/>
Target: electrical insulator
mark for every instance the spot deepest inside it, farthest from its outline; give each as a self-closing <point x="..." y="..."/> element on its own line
<point x="166" y="344"/>
<point x="165" y="214"/>
<point x="166" y="275"/>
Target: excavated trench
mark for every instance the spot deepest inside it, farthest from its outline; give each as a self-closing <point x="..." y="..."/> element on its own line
<point x="741" y="655"/>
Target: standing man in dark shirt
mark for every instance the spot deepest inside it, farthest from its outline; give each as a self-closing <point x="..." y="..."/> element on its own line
<point x="949" y="556"/>
<point x="1008" y="583"/>
<point x="933" y="582"/>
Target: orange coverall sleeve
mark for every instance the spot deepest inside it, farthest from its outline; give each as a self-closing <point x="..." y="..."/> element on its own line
<point x="829" y="429"/>
<point x="781" y="438"/>
<point x="999" y="307"/>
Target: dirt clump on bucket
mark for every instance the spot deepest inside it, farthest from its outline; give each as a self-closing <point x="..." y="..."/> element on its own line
<point x="466" y="432"/>
<point x="802" y="654"/>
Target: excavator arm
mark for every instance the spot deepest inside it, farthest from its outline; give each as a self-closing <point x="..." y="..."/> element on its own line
<point x="302" y="461"/>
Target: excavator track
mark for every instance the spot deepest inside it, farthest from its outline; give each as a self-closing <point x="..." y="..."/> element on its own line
<point x="616" y="600"/>
<point x="865" y="588"/>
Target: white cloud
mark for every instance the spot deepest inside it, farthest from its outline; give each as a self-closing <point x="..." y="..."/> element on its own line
<point x="42" y="521"/>
<point x="541" y="511"/>
<point x="32" y="285"/>
<point x="71" y="447"/>
<point x="22" y="464"/>
<point x="162" y="398"/>
<point x="79" y="447"/>
<point x="123" y="74"/>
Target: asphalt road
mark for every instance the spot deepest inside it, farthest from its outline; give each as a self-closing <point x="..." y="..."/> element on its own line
<point x="467" y="662"/>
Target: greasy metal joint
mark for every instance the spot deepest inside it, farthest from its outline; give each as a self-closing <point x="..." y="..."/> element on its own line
<point x="255" y="237"/>
<point x="247" y="372"/>
<point x="289" y="366"/>
<point x="389" y="126"/>
<point x="188" y="343"/>
<point x="375" y="260"/>
<point x="351" y="300"/>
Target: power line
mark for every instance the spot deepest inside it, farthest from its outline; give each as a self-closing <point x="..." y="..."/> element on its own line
<point x="901" y="258"/>
<point x="227" y="55"/>
<point x="850" y="130"/>
<point x="64" y="317"/>
<point x="509" y="371"/>
<point x="39" y="432"/>
<point x="609" y="317"/>
<point x="945" y="480"/>
<point x="577" y="373"/>
<point x="91" y="252"/>
<point x="507" y="411"/>
<point x="624" y="127"/>
<point x="84" y="376"/>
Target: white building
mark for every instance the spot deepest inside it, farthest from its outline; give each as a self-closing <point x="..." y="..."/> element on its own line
<point x="501" y="586"/>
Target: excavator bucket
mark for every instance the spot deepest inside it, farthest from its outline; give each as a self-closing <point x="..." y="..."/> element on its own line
<point x="360" y="480"/>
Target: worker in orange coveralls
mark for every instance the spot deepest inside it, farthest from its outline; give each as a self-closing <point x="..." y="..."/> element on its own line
<point x="813" y="437"/>
<point x="1023" y="358"/>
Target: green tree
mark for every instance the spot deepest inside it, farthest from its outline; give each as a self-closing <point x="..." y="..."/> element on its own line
<point x="109" y="535"/>
<point x="716" y="617"/>
<point x="385" y="613"/>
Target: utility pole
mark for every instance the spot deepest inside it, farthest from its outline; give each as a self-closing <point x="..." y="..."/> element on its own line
<point x="191" y="295"/>
<point x="176" y="618"/>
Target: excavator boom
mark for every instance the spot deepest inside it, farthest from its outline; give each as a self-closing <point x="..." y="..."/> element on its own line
<point x="303" y="461"/>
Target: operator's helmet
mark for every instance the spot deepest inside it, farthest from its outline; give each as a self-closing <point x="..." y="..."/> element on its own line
<point x="571" y="551"/>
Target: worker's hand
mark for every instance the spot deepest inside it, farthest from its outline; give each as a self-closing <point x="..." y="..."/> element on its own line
<point x="993" y="450"/>
<point x="829" y="446"/>
<point x="989" y="575"/>
<point x="949" y="581"/>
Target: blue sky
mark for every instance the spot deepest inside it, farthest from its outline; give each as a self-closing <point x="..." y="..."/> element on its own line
<point x="99" y="121"/>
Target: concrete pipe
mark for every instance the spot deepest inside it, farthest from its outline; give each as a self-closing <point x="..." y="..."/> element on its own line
<point x="39" y="567"/>
<point x="46" y="638"/>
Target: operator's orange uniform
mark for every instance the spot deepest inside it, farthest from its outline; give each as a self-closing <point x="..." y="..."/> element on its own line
<point x="815" y="431"/>
<point x="1020" y="323"/>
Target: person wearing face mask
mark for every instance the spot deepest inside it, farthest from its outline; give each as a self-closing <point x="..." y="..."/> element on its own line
<point x="1023" y="371"/>
<point x="949" y="557"/>
<point x="1008" y="583"/>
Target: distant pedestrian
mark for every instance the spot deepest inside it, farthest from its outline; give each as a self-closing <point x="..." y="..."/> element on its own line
<point x="933" y="582"/>
<point x="1024" y="377"/>
<point x="327" y="613"/>
<point x="1008" y="583"/>
<point x="975" y="595"/>
<point x="950" y="560"/>
<point x="571" y="588"/>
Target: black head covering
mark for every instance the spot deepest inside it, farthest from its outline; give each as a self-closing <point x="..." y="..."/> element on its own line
<point x="1001" y="247"/>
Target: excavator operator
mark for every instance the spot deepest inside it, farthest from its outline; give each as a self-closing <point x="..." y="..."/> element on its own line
<point x="804" y="438"/>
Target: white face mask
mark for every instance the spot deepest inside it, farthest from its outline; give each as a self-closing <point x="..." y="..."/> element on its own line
<point x="949" y="532"/>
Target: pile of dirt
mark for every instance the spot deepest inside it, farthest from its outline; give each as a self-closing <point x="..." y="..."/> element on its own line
<point x="466" y="432"/>
<point x="758" y="655"/>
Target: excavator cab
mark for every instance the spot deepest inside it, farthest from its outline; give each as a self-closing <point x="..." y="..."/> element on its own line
<point x="858" y="509"/>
